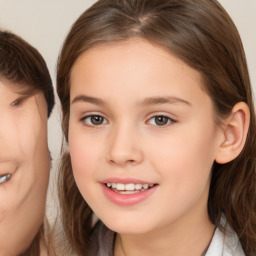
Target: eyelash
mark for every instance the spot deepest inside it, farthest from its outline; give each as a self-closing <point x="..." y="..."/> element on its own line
<point x="83" y="119"/>
<point x="170" y="121"/>
<point x="102" y="121"/>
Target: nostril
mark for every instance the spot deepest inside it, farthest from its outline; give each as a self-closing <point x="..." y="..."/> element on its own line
<point x="123" y="161"/>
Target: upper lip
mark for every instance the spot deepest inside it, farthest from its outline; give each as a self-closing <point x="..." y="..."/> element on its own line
<point x="126" y="181"/>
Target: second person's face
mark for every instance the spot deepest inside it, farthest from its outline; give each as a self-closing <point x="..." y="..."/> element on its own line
<point x="24" y="167"/>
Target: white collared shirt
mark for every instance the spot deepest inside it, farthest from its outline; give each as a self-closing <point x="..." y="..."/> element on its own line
<point x="225" y="244"/>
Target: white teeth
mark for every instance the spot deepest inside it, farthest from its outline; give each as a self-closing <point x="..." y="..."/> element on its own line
<point x="138" y="186"/>
<point x="120" y="186"/>
<point x="125" y="188"/>
<point x="129" y="187"/>
<point x="145" y="186"/>
<point x="4" y="178"/>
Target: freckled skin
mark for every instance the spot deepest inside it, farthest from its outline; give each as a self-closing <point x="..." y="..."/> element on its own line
<point x="24" y="153"/>
<point x="129" y="144"/>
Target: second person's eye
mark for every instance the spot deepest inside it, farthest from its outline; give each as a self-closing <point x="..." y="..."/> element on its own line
<point x="18" y="101"/>
<point x="94" y="120"/>
<point x="160" y="120"/>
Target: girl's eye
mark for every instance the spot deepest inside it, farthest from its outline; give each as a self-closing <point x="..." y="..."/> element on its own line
<point x="161" y="120"/>
<point x="94" y="120"/>
<point x="4" y="178"/>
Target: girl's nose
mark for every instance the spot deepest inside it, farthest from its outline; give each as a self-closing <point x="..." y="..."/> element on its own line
<point x="124" y="148"/>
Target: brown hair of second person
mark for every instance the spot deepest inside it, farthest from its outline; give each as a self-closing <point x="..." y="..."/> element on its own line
<point x="23" y="64"/>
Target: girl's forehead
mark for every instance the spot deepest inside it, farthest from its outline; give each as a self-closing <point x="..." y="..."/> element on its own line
<point x="130" y="72"/>
<point x="131" y="61"/>
<point x="135" y="51"/>
<point x="130" y="45"/>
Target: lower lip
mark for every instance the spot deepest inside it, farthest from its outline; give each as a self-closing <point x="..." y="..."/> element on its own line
<point x="127" y="199"/>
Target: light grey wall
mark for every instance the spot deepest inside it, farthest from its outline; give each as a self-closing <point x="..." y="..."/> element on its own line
<point x="44" y="24"/>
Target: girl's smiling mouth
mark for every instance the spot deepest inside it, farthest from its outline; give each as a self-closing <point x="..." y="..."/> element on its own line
<point x="129" y="188"/>
<point x="128" y="192"/>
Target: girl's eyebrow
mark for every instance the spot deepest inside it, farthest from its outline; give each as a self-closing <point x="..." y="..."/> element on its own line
<point x="146" y="101"/>
<point x="164" y="100"/>
<point x="88" y="99"/>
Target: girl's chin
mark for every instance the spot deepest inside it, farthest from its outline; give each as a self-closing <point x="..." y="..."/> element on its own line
<point x="129" y="228"/>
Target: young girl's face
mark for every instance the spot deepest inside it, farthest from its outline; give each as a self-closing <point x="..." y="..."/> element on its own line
<point x="142" y="137"/>
<point x="24" y="167"/>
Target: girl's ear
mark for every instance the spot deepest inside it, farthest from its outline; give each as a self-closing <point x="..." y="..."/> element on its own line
<point x="234" y="132"/>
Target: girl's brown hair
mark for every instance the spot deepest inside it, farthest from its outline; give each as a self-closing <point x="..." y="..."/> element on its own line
<point x="201" y="34"/>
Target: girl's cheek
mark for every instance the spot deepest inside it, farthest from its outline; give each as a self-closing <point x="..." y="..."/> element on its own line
<point x="82" y="156"/>
<point x="78" y="157"/>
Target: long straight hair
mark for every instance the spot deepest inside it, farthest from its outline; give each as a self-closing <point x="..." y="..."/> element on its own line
<point x="200" y="33"/>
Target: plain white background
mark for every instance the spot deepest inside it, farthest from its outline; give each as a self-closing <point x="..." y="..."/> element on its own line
<point x="44" y="24"/>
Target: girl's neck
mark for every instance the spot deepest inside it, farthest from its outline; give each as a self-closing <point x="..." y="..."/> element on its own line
<point x="188" y="238"/>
